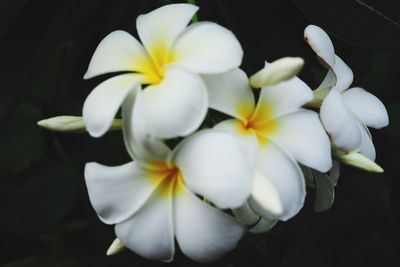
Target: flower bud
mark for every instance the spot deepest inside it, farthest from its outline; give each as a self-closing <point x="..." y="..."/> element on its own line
<point x="116" y="247"/>
<point x="357" y="160"/>
<point x="70" y="124"/>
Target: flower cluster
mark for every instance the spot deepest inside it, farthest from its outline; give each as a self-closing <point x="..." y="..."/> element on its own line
<point x="221" y="179"/>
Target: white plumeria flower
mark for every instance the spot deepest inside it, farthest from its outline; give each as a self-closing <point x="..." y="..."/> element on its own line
<point x="345" y="113"/>
<point x="168" y="61"/>
<point x="152" y="200"/>
<point x="276" y="134"/>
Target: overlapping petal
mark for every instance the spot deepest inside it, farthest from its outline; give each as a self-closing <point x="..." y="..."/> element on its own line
<point x="302" y="135"/>
<point x="344" y="75"/>
<point x="284" y="97"/>
<point x="118" y="51"/>
<point x="230" y="93"/>
<point x="207" y="48"/>
<point x="103" y="103"/>
<point x="142" y="147"/>
<point x="150" y="231"/>
<point x="176" y="106"/>
<point x="203" y="233"/>
<point x="279" y="191"/>
<point x="214" y="166"/>
<point x="340" y="122"/>
<point x="325" y="192"/>
<point x="367" y="107"/>
<point x="160" y="28"/>
<point x="117" y="192"/>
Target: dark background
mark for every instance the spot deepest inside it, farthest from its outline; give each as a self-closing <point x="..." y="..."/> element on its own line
<point x="45" y="47"/>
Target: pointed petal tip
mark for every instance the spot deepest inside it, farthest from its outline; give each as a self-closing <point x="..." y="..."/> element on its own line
<point x="116" y="247"/>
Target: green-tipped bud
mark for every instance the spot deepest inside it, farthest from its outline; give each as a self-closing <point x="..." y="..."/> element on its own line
<point x="280" y="70"/>
<point x="357" y="160"/>
<point x="73" y="124"/>
<point x="116" y="247"/>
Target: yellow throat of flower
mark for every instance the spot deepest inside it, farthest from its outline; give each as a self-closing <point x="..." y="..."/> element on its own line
<point x="168" y="179"/>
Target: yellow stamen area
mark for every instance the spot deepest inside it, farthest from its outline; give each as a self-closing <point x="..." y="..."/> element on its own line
<point x="169" y="180"/>
<point x="153" y="67"/>
<point x="261" y="122"/>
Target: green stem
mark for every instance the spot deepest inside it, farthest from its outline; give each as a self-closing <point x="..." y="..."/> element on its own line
<point x="195" y="17"/>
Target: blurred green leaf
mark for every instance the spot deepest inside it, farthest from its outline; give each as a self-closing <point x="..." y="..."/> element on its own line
<point x="22" y="142"/>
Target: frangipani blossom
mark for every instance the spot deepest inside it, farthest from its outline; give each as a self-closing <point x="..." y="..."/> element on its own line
<point x="346" y="113"/>
<point x="153" y="200"/>
<point x="276" y="133"/>
<point x="168" y="61"/>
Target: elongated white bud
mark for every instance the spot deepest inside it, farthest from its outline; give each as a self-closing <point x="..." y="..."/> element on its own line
<point x="71" y="124"/>
<point x="278" y="71"/>
<point x="116" y="247"/>
<point x="357" y="160"/>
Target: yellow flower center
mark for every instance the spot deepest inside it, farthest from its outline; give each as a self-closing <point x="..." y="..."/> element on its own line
<point x="153" y="67"/>
<point x="259" y="122"/>
<point x="168" y="179"/>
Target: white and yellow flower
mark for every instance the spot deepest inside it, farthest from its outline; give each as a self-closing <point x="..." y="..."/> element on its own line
<point x="276" y="133"/>
<point x="168" y="61"/>
<point x="346" y="113"/>
<point x="153" y="200"/>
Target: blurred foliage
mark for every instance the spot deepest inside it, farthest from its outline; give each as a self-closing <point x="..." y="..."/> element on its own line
<point x="45" y="46"/>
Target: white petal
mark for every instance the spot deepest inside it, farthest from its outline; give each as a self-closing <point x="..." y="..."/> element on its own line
<point x="214" y="165"/>
<point x="340" y="123"/>
<point x="278" y="71"/>
<point x="203" y="233"/>
<point x="262" y="226"/>
<point x="150" y="231"/>
<point x="329" y="80"/>
<point x="279" y="189"/>
<point x="325" y="192"/>
<point x="117" y="192"/>
<point x="245" y="215"/>
<point x="247" y="140"/>
<point x="367" y="107"/>
<point x="230" y="93"/>
<point x="177" y="106"/>
<point x="207" y="48"/>
<point x="285" y="97"/>
<point x="140" y="145"/>
<point x="320" y="42"/>
<point x="301" y="134"/>
<point x="344" y="75"/>
<point x="103" y="102"/>
<point x="159" y="28"/>
<point x="118" y="51"/>
<point x="367" y="147"/>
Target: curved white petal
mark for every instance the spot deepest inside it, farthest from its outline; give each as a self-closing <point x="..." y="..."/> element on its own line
<point x="230" y="93"/>
<point x="150" y="231"/>
<point x="247" y="139"/>
<point x="344" y="75"/>
<point x="302" y="135"/>
<point x="285" y="97"/>
<point x="325" y="192"/>
<point x="203" y="233"/>
<point x="177" y="106"/>
<point x="340" y="123"/>
<point x="279" y="189"/>
<point x="207" y="48"/>
<point x="262" y="226"/>
<point x="367" y="107"/>
<point x="320" y="42"/>
<point x="367" y="148"/>
<point x="117" y="192"/>
<point x="103" y="102"/>
<point x="214" y="165"/>
<point x="159" y="29"/>
<point x="118" y="51"/>
<point x="140" y="145"/>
